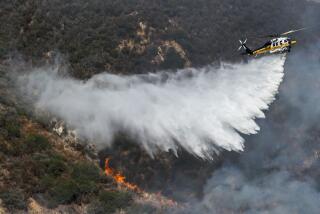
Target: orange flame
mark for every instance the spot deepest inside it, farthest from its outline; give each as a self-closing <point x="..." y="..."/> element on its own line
<point x="119" y="178"/>
<point x="156" y="199"/>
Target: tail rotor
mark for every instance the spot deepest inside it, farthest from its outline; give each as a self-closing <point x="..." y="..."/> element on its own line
<point x="243" y="43"/>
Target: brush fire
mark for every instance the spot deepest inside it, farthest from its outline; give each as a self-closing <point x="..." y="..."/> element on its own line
<point x="156" y="199"/>
<point x="119" y="178"/>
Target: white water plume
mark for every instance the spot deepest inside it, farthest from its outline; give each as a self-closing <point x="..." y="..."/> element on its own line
<point x="202" y="110"/>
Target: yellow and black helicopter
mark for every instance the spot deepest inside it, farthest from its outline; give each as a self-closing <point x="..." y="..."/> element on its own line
<point x="278" y="44"/>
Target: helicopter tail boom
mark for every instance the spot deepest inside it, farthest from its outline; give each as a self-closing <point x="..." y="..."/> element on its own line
<point x="245" y="47"/>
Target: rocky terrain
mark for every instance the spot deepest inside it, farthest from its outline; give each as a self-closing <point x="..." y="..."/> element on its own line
<point x="44" y="169"/>
<point x="41" y="171"/>
<point x="140" y="36"/>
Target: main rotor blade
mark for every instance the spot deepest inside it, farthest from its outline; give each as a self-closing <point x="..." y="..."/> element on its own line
<point x="270" y="36"/>
<point x="293" y="31"/>
<point x="283" y="34"/>
<point x="265" y="36"/>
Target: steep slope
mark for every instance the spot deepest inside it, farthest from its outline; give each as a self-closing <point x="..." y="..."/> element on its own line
<point x="41" y="172"/>
<point x="126" y="37"/>
<point x="140" y="36"/>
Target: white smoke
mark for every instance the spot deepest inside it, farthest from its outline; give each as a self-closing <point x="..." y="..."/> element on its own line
<point x="279" y="171"/>
<point x="201" y="110"/>
<point x="230" y="191"/>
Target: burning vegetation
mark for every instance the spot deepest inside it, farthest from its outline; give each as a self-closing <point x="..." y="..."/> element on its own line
<point x="154" y="199"/>
<point x="119" y="178"/>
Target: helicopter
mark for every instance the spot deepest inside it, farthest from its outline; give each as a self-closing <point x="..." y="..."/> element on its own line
<point x="279" y="43"/>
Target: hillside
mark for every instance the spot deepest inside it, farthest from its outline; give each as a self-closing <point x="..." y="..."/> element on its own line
<point x="41" y="172"/>
<point x="45" y="171"/>
<point x="140" y="36"/>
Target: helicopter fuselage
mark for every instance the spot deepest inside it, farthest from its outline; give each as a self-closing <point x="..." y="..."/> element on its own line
<point x="273" y="46"/>
<point x="276" y="45"/>
<point x="279" y="43"/>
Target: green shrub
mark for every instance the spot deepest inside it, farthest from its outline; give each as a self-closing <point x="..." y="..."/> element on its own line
<point x="46" y="182"/>
<point x="115" y="200"/>
<point x="13" y="128"/>
<point x="17" y="147"/>
<point x="85" y="171"/>
<point x="82" y="181"/>
<point x="50" y="164"/>
<point x="109" y="202"/>
<point x="36" y="143"/>
<point x="64" y="191"/>
<point x="86" y="176"/>
<point x="86" y="187"/>
<point x="55" y="166"/>
<point x="13" y="199"/>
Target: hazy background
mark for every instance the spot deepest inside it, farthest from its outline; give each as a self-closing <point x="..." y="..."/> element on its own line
<point x="277" y="172"/>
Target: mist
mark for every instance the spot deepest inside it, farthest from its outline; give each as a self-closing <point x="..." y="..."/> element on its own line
<point x="279" y="170"/>
<point x="202" y="110"/>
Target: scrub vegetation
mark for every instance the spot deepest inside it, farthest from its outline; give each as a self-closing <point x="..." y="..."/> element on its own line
<point x="140" y="36"/>
<point x="34" y="165"/>
<point x="117" y="36"/>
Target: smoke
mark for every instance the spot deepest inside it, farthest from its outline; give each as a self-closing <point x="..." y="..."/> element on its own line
<point x="277" y="192"/>
<point x="279" y="171"/>
<point x="202" y="110"/>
